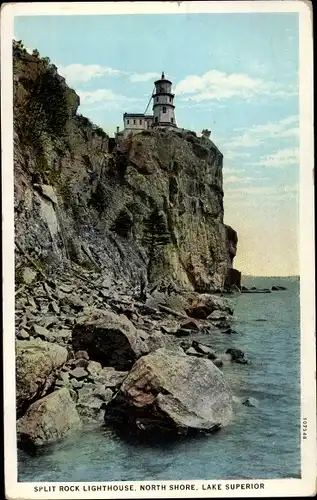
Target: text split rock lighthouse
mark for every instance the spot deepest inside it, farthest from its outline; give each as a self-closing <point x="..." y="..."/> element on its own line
<point x="163" y="111"/>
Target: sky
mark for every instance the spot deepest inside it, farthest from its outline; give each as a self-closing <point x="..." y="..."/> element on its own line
<point x="234" y="74"/>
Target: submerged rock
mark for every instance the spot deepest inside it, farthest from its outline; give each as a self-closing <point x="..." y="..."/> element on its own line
<point x="183" y="332"/>
<point x="218" y="362"/>
<point x="37" y="366"/>
<point x="191" y="324"/>
<point x="192" y="352"/>
<point x="252" y="402"/>
<point x="204" y="349"/>
<point x="217" y="315"/>
<point x="237" y="356"/>
<point x="229" y="331"/>
<point x="167" y="392"/>
<point x="49" y="419"/>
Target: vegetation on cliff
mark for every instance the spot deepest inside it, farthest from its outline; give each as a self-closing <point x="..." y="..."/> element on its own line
<point x="153" y="204"/>
<point x="96" y="222"/>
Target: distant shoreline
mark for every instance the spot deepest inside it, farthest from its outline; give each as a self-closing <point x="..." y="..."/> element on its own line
<point x="273" y="277"/>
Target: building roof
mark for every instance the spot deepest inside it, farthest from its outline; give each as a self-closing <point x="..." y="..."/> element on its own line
<point x="134" y="114"/>
<point x="162" y="79"/>
<point x="137" y="115"/>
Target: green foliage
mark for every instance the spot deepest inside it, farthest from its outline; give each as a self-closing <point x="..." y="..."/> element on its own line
<point x="86" y="123"/>
<point x="66" y="194"/>
<point x="46" y="108"/>
<point x="123" y="224"/>
<point x="155" y="234"/>
<point x="206" y="133"/>
<point x="173" y="188"/>
<point x="99" y="131"/>
<point x="99" y="198"/>
<point x="35" y="53"/>
<point x="145" y="132"/>
<point x="20" y="46"/>
<point x="18" y="272"/>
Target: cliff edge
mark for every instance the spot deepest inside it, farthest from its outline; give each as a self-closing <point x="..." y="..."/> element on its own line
<point x="115" y="244"/>
<point x="150" y="205"/>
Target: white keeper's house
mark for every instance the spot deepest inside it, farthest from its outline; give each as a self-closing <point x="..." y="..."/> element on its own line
<point x="163" y="111"/>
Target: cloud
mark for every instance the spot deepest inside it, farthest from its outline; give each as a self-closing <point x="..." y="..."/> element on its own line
<point x="267" y="190"/>
<point x="143" y="77"/>
<point x="234" y="179"/>
<point x="257" y="67"/>
<point x="80" y="73"/>
<point x="233" y="155"/>
<point x="281" y="158"/>
<point x="259" y="134"/>
<point x="106" y="96"/>
<point x="271" y="193"/>
<point x="229" y="170"/>
<point x="216" y="85"/>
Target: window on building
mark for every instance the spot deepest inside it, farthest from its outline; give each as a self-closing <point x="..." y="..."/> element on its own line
<point x="162" y="89"/>
<point x="157" y="99"/>
<point x="172" y="120"/>
<point x="128" y="121"/>
<point x="140" y="122"/>
<point x="170" y="99"/>
<point x="133" y="122"/>
<point x="164" y="109"/>
<point x="156" y="118"/>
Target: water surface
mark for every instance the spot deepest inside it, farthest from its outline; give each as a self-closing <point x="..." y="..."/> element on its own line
<point x="261" y="442"/>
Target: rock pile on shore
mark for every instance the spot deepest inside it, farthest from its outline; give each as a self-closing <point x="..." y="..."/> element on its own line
<point x="86" y="344"/>
<point x="119" y="244"/>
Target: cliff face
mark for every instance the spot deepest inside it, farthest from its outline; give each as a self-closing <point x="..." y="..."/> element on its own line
<point x="153" y="205"/>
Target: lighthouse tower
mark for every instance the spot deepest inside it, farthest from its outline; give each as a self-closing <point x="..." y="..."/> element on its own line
<point x="163" y="107"/>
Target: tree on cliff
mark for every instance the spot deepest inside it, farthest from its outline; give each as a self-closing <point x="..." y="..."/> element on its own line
<point x="46" y="108"/>
<point x="155" y="234"/>
<point x="206" y="133"/>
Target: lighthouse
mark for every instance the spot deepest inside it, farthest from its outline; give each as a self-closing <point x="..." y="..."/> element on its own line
<point x="163" y="107"/>
<point x="163" y="111"/>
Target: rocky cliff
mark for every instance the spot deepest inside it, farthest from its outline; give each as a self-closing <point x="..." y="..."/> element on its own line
<point x="151" y="205"/>
<point x="94" y="218"/>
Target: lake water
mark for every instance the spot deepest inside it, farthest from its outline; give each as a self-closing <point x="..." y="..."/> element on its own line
<point x="261" y="442"/>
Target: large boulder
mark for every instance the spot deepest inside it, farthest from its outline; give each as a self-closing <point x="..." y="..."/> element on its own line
<point x="49" y="419"/>
<point x="110" y="339"/>
<point x="204" y="304"/>
<point x="168" y="392"/>
<point x="37" y="367"/>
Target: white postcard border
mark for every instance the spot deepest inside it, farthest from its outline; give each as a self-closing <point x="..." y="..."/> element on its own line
<point x="281" y="487"/>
